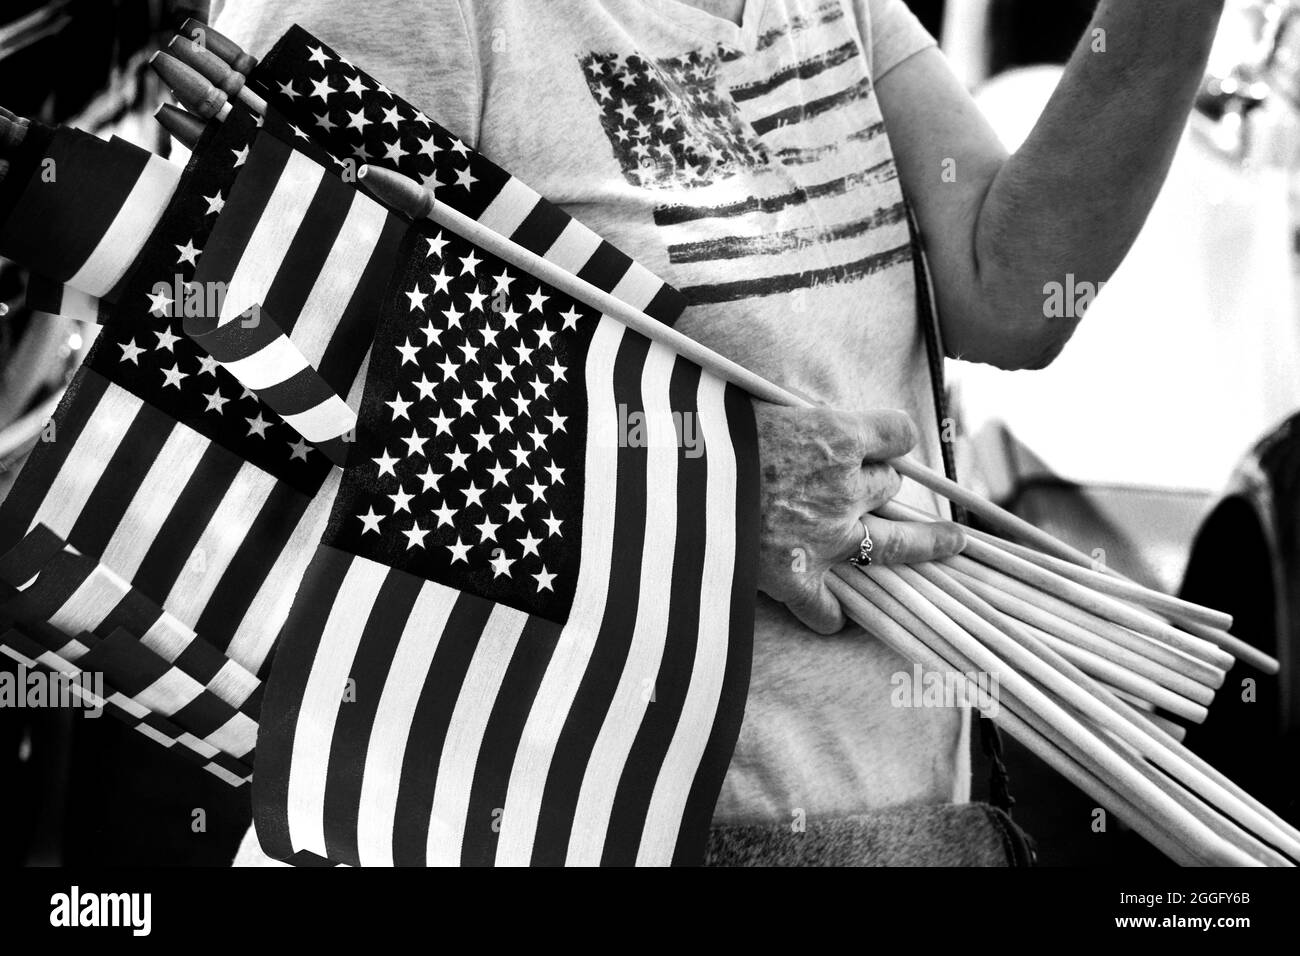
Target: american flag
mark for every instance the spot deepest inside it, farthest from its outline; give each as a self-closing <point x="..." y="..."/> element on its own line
<point x="75" y="615"/>
<point x="161" y="464"/>
<point x="25" y="652"/>
<point x="80" y="214"/>
<point x="525" y="638"/>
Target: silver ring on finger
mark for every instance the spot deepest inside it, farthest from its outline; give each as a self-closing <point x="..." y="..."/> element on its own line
<point x="863" y="558"/>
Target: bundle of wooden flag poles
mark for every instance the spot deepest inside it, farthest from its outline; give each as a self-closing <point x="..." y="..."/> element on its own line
<point x="1097" y="674"/>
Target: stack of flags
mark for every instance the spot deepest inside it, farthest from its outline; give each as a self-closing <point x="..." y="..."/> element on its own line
<point x="366" y="462"/>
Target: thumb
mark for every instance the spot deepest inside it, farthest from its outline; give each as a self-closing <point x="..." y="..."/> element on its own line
<point x="819" y="609"/>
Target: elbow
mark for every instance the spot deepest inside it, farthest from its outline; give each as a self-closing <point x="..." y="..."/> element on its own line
<point x="1012" y="346"/>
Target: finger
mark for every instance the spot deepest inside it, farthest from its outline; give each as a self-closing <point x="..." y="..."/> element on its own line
<point x="912" y="542"/>
<point x="878" y="484"/>
<point x="885" y="434"/>
<point x="819" y="610"/>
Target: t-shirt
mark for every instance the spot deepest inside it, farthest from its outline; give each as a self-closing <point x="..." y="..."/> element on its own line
<point x="747" y="164"/>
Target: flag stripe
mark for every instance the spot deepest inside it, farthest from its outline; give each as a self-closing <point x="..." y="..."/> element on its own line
<point x="321" y="701"/>
<point x="393" y="724"/>
<point x="343" y="784"/>
<point x="284" y="702"/>
<point x="135" y="221"/>
<point x="267" y="366"/>
<point x="540" y="228"/>
<point x="448" y="820"/>
<point x="90" y="182"/>
<point x="605" y="267"/>
<point x="429" y="725"/>
<point x="307" y="256"/>
<point x="274" y="230"/>
<point x="168" y="473"/>
<point x="510" y="208"/>
<point x="740" y="522"/>
<point x="574" y="247"/>
<point x="654" y="595"/>
<point x="501" y="738"/>
<point x="336" y="284"/>
<point x="653" y="738"/>
<point x="676" y="215"/>
<point x="776" y="284"/>
<point x="252" y="565"/>
<point x="550" y="708"/>
<point x="614" y="634"/>
<point x="128" y="467"/>
<point x="233" y="232"/>
<point x="173" y="542"/>
<point x="222" y="534"/>
<point x="339" y="359"/>
<point x="253" y="638"/>
<point x="71" y="487"/>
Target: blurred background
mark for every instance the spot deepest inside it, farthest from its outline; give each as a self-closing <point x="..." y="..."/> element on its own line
<point x="1165" y="442"/>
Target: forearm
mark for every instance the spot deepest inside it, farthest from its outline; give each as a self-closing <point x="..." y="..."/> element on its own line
<point x="1074" y="197"/>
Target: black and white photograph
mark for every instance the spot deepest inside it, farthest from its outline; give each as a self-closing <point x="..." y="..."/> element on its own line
<point x="708" y="434"/>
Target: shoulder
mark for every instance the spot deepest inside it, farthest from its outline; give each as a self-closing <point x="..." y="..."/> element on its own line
<point x="891" y="33"/>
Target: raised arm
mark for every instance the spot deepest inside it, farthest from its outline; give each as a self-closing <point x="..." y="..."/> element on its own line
<point x="1072" y="199"/>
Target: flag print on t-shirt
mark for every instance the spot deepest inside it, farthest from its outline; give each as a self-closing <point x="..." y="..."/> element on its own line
<point x="771" y="165"/>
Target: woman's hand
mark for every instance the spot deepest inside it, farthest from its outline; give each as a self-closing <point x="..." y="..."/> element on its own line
<point x="823" y="472"/>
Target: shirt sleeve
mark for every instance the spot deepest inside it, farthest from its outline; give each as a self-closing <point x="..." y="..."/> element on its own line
<point x="423" y="51"/>
<point x="891" y="32"/>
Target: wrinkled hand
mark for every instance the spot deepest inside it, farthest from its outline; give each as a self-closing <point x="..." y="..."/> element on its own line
<point x="823" y="472"/>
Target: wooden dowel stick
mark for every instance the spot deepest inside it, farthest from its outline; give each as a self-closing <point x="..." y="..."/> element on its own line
<point x="1033" y="638"/>
<point x="1103" y="670"/>
<point x="1173" y="729"/>
<point x="901" y="637"/>
<point x="1179" y="679"/>
<point x="1165" y="604"/>
<point x="900" y="634"/>
<point x="1020" y="597"/>
<point x="1187" y="676"/>
<point x="1226" y="829"/>
<point x="1068" y="767"/>
<point x="1198" y="621"/>
<point x="1246" y="653"/>
<point x="942" y="578"/>
<point x="1160" y="810"/>
<point x="993" y="648"/>
<point x="1106" y="608"/>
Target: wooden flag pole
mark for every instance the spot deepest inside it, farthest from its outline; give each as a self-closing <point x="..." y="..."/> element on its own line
<point x="993" y="648"/>
<point x="1158" y="601"/>
<point x="942" y="578"/>
<point x="900" y="635"/>
<point x="1062" y="578"/>
<point x="945" y="639"/>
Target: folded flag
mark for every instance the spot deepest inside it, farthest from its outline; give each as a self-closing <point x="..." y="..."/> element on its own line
<point x="58" y="596"/>
<point x="82" y="213"/>
<point x="182" y="481"/>
<point x="300" y="258"/>
<point x="357" y="118"/>
<point x="525" y="638"/>
<point x="27" y="653"/>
